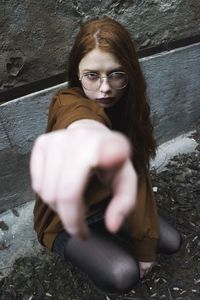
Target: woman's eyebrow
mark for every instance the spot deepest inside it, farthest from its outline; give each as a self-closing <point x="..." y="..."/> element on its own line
<point x="117" y="69"/>
<point x="90" y="70"/>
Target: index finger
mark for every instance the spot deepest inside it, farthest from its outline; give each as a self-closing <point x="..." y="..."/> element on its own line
<point x="124" y="197"/>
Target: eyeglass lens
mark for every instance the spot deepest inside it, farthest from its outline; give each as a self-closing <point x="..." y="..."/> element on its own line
<point x="93" y="81"/>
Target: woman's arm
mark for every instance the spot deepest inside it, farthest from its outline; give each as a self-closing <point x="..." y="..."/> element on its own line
<point x="62" y="162"/>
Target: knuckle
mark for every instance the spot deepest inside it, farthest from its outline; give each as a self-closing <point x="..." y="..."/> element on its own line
<point x="81" y="134"/>
<point x="47" y="197"/>
<point x="40" y="140"/>
<point x="67" y="191"/>
<point x="64" y="194"/>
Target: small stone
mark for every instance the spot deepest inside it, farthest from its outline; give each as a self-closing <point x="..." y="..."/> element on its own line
<point x="15" y="212"/>
<point x="3" y="226"/>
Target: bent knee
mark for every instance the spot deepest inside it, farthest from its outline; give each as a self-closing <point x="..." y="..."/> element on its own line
<point x="122" y="278"/>
<point x="170" y="239"/>
<point x="176" y="242"/>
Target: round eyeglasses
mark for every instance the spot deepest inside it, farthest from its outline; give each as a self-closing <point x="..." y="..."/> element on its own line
<point x="92" y="81"/>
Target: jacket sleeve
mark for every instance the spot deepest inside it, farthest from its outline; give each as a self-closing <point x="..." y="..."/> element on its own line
<point x="143" y="221"/>
<point x="71" y="105"/>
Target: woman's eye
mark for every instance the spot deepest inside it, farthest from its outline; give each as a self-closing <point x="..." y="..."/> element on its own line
<point x="117" y="75"/>
<point x="92" y="76"/>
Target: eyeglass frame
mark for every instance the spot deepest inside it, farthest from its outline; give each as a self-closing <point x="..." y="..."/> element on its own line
<point x="100" y="77"/>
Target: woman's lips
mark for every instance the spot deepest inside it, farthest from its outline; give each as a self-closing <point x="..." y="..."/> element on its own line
<point x="107" y="100"/>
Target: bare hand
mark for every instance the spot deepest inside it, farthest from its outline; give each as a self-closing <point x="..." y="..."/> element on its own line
<point x="62" y="162"/>
<point x="145" y="268"/>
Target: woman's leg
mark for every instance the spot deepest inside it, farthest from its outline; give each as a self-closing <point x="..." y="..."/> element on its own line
<point x="170" y="239"/>
<point x="106" y="261"/>
<point x="169" y="242"/>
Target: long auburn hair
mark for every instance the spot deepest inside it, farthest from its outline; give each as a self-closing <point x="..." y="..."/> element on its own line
<point x="110" y="36"/>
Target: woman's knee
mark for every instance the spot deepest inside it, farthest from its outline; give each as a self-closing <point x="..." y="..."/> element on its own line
<point x="176" y="241"/>
<point x="170" y="239"/>
<point x="121" y="277"/>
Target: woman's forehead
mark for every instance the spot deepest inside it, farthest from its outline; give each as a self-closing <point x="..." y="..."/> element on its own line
<point x="97" y="59"/>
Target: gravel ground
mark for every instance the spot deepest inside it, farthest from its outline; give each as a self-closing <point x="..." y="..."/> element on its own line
<point x="47" y="276"/>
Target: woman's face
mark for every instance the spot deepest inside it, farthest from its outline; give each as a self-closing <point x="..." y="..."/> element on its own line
<point x="93" y="71"/>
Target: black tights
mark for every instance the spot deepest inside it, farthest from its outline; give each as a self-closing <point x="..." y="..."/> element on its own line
<point x="107" y="259"/>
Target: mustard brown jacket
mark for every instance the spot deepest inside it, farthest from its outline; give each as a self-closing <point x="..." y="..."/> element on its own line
<point x="68" y="106"/>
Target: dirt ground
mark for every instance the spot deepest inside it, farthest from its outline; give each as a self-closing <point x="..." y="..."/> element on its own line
<point x="47" y="276"/>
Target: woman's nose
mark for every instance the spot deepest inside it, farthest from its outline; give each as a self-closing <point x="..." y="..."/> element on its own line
<point x="105" y="86"/>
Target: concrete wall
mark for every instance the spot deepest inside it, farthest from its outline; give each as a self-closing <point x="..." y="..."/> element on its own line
<point x="21" y="121"/>
<point x="174" y="91"/>
<point x="173" y="87"/>
<point x="35" y="36"/>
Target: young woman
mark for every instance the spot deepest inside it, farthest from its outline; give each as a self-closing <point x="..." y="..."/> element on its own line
<point x="90" y="170"/>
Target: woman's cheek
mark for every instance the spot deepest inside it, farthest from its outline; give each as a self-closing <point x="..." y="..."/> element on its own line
<point x="92" y="95"/>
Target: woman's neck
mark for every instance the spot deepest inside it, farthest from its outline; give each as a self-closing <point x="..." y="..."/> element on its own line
<point x="116" y="116"/>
